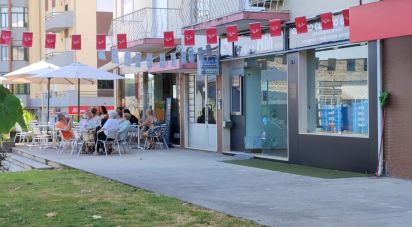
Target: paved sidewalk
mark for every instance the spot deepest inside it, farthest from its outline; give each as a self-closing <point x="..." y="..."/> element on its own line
<point x="267" y="197"/>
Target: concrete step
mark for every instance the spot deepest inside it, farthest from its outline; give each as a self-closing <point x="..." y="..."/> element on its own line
<point x="32" y="156"/>
<point x="11" y="167"/>
<point x="26" y="162"/>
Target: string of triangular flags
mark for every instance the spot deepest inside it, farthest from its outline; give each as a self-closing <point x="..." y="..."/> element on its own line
<point x="275" y="29"/>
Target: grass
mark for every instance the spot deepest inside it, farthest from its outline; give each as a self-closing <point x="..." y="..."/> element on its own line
<point x="72" y="198"/>
<point x="296" y="169"/>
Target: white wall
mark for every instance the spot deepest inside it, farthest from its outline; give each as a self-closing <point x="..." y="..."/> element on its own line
<point x="315" y="7"/>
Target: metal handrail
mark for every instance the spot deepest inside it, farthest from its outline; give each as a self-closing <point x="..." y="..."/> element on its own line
<point x="147" y="23"/>
<point x="198" y="11"/>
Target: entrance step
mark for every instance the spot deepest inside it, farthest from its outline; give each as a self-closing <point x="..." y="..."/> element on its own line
<point x="33" y="156"/>
<point x="11" y="167"/>
<point x="26" y="162"/>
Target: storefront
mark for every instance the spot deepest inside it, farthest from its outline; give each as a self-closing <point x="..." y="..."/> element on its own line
<point x="304" y="98"/>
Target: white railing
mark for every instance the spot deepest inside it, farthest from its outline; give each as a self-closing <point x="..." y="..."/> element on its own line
<point x="198" y="11"/>
<point x="147" y="23"/>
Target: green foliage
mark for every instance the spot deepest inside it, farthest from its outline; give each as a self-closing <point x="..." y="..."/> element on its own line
<point x="384" y="98"/>
<point x="28" y="116"/>
<point x="11" y="111"/>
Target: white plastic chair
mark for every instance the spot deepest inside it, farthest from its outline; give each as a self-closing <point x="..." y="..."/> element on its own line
<point x="110" y="140"/>
<point x="23" y="136"/>
<point x="63" y="142"/>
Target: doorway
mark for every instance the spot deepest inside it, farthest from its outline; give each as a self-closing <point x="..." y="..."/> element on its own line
<point x="202" y="112"/>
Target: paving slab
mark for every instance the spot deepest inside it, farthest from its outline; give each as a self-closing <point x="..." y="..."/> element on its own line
<point x="267" y="197"/>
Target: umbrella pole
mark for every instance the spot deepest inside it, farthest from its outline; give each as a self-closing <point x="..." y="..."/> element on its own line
<point x="78" y="100"/>
<point x="48" y="100"/>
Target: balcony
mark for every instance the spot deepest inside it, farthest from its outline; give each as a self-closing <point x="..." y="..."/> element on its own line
<point x="69" y="98"/>
<point x="202" y="14"/>
<point x="60" y="58"/>
<point x="145" y="27"/>
<point x="58" y="21"/>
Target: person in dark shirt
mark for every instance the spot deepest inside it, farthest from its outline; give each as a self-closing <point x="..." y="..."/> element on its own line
<point x="133" y="118"/>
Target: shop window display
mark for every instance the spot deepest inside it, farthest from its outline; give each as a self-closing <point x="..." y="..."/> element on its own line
<point x="338" y="91"/>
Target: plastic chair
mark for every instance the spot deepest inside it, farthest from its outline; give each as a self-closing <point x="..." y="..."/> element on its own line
<point x="63" y="142"/>
<point x="110" y="140"/>
<point x="23" y="136"/>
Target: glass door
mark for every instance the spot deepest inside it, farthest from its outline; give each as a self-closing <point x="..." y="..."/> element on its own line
<point x="202" y="112"/>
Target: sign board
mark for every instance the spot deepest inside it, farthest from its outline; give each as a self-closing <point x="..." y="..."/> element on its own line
<point x="72" y="110"/>
<point x="210" y="65"/>
<point x="168" y="118"/>
<point x="316" y="35"/>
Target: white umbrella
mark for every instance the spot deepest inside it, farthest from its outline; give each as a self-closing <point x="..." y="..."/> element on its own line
<point x="23" y="75"/>
<point x="2" y="78"/>
<point x="77" y="71"/>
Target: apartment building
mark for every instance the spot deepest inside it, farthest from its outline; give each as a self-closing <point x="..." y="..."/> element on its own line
<point x="64" y="18"/>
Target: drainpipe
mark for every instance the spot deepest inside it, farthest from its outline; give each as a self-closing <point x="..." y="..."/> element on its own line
<point x="380" y="110"/>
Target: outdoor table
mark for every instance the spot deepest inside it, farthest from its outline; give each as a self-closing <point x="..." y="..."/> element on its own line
<point x="136" y="129"/>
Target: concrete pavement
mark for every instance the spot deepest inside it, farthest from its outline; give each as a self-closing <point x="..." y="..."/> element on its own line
<point x="267" y="197"/>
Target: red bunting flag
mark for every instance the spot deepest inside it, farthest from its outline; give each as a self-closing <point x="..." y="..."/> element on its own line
<point x="76" y="42"/>
<point x="211" y="34"/>
<point x="232" y="33"/>
<point x="189" y="37"/>
<point x="121" y="41"/>
<point x="101" y="42"/>
<point x="27" y="39"/>
<point x="326" y="21"/>
<point x="301" y="25"/>
<point x="346" y="17"/>
<point x="255" y="31"/>
<point x="275" y="27"/>
<point x="168" y="39"/>
<point x="5" y="38"/>
<point x="50" y="42"/>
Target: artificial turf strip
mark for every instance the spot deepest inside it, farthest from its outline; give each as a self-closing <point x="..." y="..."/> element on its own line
<point x="296" y="169"/>
<point x="74" y="198"/>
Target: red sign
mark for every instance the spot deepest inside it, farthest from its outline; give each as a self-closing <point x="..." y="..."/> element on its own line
<point x="346" y="17"/>
<point x="5" y="37"/>
<point x="232" y="33"/>
<point x="189" y="37"/>
<point x="326" y="21"/>
<point x="72" y="110"/>
<point x="50" y="42"/>
<point x="121" y="41"/>
<point x="301" y="25"/>
<point x="255" y="31"/>
<point x="380" y="20"/>
<point x="275" y="27"/>
<point x="211" y="35"/>
<point x="168" y="39"/>
<point x="76" y="42"/>
<point x="101" y="42"/>
<point x="27" y="39"/>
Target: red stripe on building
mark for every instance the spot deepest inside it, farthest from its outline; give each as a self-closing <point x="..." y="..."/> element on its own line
<point x="380" y="20"/>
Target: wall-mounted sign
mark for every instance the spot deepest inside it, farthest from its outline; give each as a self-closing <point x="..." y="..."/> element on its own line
<point x="210" y="65"/>
<point x="316" y="35"/>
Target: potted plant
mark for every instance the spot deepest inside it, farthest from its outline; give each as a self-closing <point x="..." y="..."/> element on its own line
<point x="11" y="112"/>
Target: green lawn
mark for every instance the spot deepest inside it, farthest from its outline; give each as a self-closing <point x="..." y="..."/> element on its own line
<point x="296" y="169"/>
<point x="74" y="198"/>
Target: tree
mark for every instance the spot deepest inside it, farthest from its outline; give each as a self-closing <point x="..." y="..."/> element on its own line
<point x="11" y="111"/>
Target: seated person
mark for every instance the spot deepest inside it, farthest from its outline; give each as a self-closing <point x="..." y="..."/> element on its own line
<point x="65" y="125"/>
<point x="109" y="130"/>
<point x="87" y="122"/>
<point x="96" y="117"/>
<point x="124" y="126"/>
<point x="133" y="118"/>
<point x="149" y="122"/>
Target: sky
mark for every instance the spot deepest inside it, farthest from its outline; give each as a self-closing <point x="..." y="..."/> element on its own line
<point x="104" y="5"/>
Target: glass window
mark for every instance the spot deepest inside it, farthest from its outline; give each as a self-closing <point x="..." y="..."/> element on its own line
<point x="4" y="53"/>
<point x="19" y="17"/>
<point x="105" y="84"/>
<point x="200" y="99"/>
<point x="22" y="89"/>
<point x="20" y="53"/>
<point x="338" y="91"/>
<point x="4" y="18"/>
<point x="236" y="95"/>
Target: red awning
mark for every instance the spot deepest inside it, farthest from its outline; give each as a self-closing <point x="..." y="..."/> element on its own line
<point x="381" y="20"/>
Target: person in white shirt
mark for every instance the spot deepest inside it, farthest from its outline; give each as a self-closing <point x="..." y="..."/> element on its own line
<point x="109" y="130"/>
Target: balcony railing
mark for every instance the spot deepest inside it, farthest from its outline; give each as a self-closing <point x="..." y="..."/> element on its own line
<point x="147" y="23"/>
<point x="199" y="11"/>
<point x="58" y="21"/>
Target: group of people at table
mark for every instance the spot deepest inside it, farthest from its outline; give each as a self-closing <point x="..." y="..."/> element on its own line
<point x="104" y="126"/>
